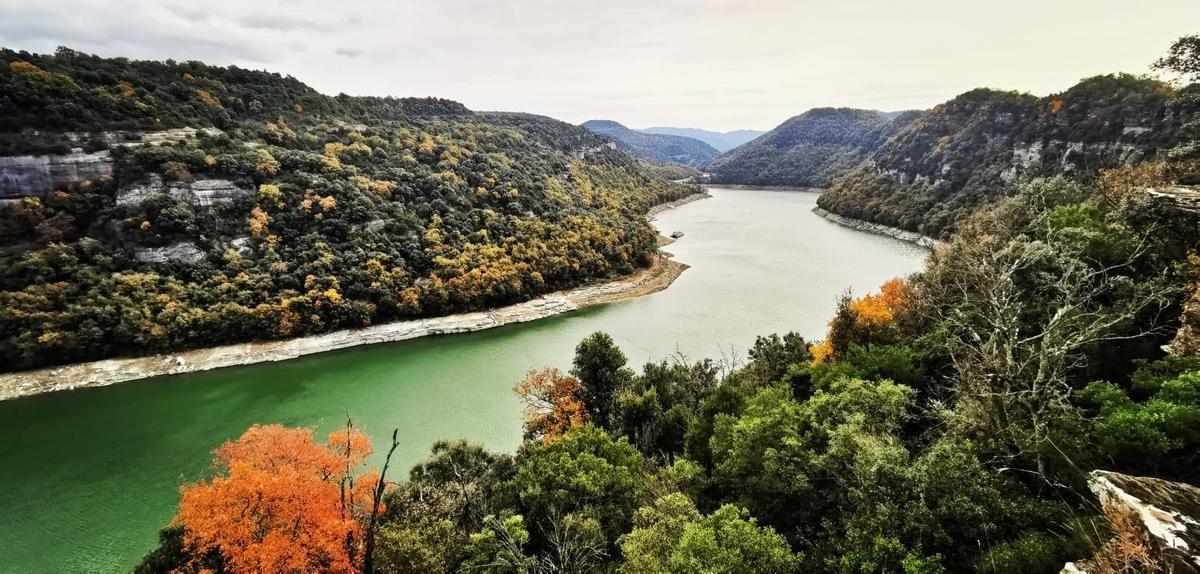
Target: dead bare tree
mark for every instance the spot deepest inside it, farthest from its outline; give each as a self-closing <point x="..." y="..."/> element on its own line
<point x="576" y="546"/>
<point x="376" y="504"/>
<point x="1020" y="315"/>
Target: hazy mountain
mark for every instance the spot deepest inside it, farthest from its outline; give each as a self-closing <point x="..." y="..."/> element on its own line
<point x="809" y="150"/>
<point x="655" y="147"/>
<point x="722" y="141"/>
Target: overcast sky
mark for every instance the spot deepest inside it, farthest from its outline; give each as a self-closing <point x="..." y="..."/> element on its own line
<point x="716" y="64"/>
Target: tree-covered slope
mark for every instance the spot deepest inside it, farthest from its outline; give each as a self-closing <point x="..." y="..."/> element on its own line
<point x="657" y="148"/>
<point x="809" y="150"/>
<point x="976" y="147"/>
<point x="289" y="212"/>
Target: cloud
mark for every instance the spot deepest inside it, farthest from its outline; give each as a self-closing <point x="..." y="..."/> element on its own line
<point x="717" y="64"/>
<point x="279" y="22"/>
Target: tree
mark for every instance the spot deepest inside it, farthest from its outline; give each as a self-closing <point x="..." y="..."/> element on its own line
<point x="772" y="356"/>
<point x="464" y="474"/>
<point x="1159" y="436"/>
<point x="670" y="536"/>
<point x="281" y="503"/>
<point x="1013" y="376"/>
<point x="553" y="403"/>
<point x="583" y="470"/>
<point x="600" y="367"/>
<point x="1182" y="58"/>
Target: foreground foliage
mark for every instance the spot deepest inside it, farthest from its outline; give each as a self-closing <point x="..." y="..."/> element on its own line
<point x="944" y="424"/>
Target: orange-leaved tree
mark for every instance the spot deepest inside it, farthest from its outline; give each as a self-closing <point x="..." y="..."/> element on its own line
<point x="553" y="403"/>
<point x="870" y="319"/>
<point x="282" y="503"/>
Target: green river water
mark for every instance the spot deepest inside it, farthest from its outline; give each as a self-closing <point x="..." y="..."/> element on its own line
<point x="88" y="477"/>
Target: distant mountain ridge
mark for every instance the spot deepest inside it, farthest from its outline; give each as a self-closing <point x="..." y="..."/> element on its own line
<point x="721" y="141"/>
<point x="657" y="148"/>
<point x="809" y="150"/>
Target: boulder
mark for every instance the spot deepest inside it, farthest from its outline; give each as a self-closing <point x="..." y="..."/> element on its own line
<point x="1165" y="514"/>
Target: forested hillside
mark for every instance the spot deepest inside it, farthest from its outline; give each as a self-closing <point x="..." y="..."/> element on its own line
<point x="809" y="150"/>
<point x="657" y="148"/>
<point x="980" y="145"/>
<point x="205" y="205"/>
<point x="926" y="171"/>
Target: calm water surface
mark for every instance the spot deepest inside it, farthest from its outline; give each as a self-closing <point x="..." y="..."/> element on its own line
<point x="88" y="477"/>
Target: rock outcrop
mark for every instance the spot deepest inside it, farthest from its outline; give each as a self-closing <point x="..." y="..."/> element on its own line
<point x="26" y="175"/>
<point x="199" y="193"/>
<point x="36" y="175"/>
<point x="1167" y="514"/>
<point x="182" y="252"/>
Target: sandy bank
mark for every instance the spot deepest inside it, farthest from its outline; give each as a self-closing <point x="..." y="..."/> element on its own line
<point x="105" y="372"/>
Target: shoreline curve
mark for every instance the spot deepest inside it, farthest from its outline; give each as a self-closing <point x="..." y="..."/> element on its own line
<point x="658" y="276"/>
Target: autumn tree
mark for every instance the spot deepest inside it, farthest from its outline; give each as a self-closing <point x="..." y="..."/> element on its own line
<point x="553" y="403"/>
<point x="282" y="503"/>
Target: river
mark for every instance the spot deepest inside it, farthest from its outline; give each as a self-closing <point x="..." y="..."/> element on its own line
<point x="88" y="477"/>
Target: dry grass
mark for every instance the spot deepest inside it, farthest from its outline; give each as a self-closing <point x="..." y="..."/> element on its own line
<point x="1128" y="551"/>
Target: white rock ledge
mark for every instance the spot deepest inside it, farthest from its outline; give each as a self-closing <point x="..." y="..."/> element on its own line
<point x="896" y="232"/>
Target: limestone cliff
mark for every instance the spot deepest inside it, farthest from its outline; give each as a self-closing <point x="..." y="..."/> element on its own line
<point x="25" y="175"/>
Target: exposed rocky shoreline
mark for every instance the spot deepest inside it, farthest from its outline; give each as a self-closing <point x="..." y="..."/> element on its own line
<point x="662" y="272"/>
<point x="677" y="203"/>
<point x="909" y="236"/>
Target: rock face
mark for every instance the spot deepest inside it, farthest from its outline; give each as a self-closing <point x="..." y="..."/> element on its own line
<point x="208" y="192"/>
<point x="26" y="175"/>
<point x="1168" y="512"/>
<point x="36" y="175"/>
<point x="199" y="193"/>
<point x="182" y="252"/>
<point x="1184" y="199"/>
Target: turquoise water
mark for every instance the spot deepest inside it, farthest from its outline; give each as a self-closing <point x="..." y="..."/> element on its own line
<point x="88" y="477"/>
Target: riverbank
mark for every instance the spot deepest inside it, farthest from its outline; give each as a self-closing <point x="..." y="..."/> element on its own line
<point x="895" y="232"/>
<point x="662" y="272"/>
<point x="654" y="211"/>
<point x="764" y="187"/>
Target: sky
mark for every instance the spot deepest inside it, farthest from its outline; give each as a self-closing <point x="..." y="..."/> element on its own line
<point x="713" y="64"/>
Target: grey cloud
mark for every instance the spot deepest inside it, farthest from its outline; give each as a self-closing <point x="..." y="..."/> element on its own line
<point x="348" y="52"/>
<point x="279" y="22"/>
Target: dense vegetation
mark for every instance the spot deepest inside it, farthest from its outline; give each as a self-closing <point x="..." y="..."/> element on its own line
<point x="355" y="210"/>
<point x="926" y="171"/>
<point x="945" y="424"/>
<point x="657" y="148"/>
<point x="809" y="150"/>
<point x="979" y="146"/>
